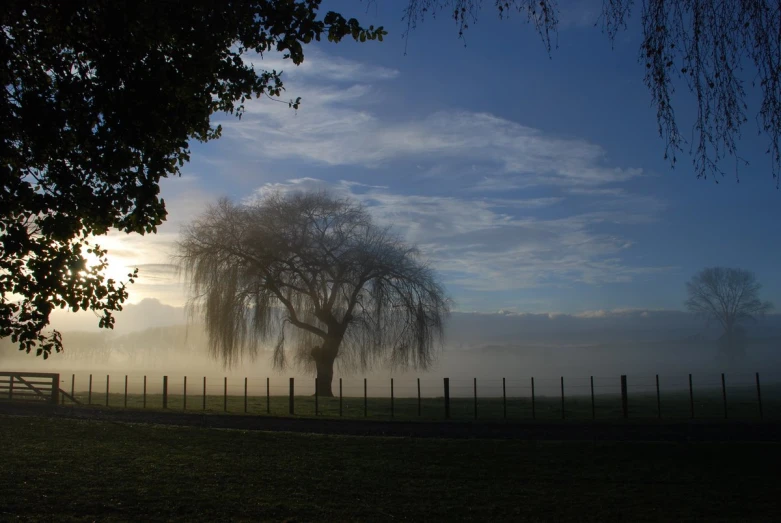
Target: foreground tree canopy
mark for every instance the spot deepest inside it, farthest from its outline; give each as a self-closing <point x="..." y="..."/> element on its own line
<point x="313" y="275"/>
<point x="99" y="103"/>
<point x="730" y="297"/>
<point x="712" y="48"/>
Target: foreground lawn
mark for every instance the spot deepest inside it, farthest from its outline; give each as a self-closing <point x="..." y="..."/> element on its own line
<point x="67" y="470"/>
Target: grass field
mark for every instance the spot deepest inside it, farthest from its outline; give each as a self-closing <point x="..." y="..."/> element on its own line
<point x="708" y="404"/>
<point x="67" y="470"/>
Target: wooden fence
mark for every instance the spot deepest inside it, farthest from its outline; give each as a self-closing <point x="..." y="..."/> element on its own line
<point x="540" y="399"/>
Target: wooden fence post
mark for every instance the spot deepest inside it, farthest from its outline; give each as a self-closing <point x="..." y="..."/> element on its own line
<point x="317" y="396"/>
<point x="418" y="396"/>
<point x="73" y="385"/>
<point x="245" y="394"/>
<point x="534" y="413"/>
<point x="691" y="396"/>
<point x="125" y="390"/>
<point x="225" y="394"/>
<point x="204" y="393"/>
<point x="292" y="392"/>
<point x="593" y="406"/>
<point x="268" y="395"/>
<point x="89" y="392"/>
<point x="165" y="392"/>
<point x="340" y="397"/>
<point x="391" y="397"/>
<point x="107" y="388"/>
<point x="504" y="399"/>
<point x="658" y="399"/>
<point x="624" y="397"/>
<point x="475" y="395"/>
<point x="144" y="396"/>
<point x="184" y="394"/>
<point x="447" y="398"/>
<point x="562" y="398"/>
<point x="724" y="393"/>
<point x="365" y="399"/>
<point x="56" y="389"/>
<point x="759" y="397"/>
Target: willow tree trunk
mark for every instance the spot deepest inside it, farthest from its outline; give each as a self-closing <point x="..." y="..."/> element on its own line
<point x="324" y="363"/>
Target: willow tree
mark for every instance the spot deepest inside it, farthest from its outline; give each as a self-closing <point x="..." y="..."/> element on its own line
<point x="312" y="275"/>
<point x="730" y="297"/>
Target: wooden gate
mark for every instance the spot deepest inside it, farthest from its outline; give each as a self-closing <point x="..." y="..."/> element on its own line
<point x="30" y="386"/>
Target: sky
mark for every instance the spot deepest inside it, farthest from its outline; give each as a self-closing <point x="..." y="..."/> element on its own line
<point x="532" y="182"/>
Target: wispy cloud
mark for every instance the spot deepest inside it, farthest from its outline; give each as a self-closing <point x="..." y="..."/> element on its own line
<point x="507" y="154"/>
<point x="343" y="123"/>
<point x="499" y="244"/>
<point x="321" y="67"/>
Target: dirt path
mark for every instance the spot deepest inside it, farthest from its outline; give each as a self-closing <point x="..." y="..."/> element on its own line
<point x="633" y="430"/>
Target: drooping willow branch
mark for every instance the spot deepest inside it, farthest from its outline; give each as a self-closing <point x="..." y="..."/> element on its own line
<point x="714" y="48"/>
<point x="302" y="270"/>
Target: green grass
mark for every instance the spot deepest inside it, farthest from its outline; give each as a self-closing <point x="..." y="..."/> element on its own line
<point x="67" y="470"/>
<point x="708" y="404"/>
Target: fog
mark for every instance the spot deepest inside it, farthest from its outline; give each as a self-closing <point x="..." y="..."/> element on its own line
<point x="154" y="339"/>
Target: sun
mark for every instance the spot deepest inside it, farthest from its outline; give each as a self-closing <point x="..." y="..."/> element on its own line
<point x="118" y="267"/>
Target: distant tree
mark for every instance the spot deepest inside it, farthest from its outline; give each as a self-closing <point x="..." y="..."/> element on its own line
<point x="730" y="297"/>
<point x="703" y="45"/>
<point x="100" y="101"/>
<point x="315" y="270"/>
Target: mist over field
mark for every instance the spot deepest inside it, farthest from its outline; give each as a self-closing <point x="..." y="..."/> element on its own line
<point x="155" y="339"/>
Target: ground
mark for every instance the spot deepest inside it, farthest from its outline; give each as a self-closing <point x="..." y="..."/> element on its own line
<point x="87" y="470"/>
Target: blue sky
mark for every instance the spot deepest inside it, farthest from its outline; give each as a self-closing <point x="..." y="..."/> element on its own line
<point x="534" y="183"/>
